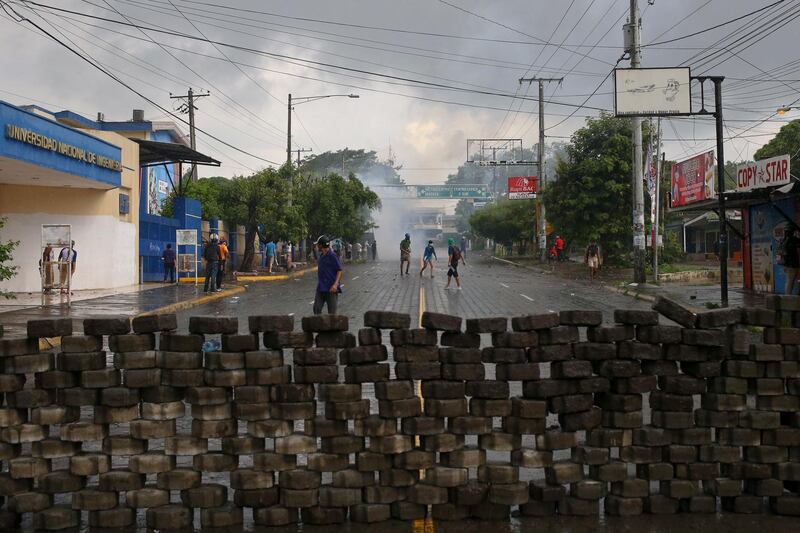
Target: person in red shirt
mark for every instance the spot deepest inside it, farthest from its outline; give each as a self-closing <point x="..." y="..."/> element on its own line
<point x="560" y="248"/>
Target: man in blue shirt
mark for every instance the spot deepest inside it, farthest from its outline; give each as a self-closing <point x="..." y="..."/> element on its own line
<point x="270" y="255"/>
<point x="329" y="277"/>
<point x="427" y="258"/>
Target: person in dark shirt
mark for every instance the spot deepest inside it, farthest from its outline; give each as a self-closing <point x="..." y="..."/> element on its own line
<point x="329" y="277"/>
<point x="169" y="263"/>
<point x="211" y="254"/>
<point x="791" y="260"/>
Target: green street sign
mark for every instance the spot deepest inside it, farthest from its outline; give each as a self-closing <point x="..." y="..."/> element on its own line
<point x="453" y="191"/>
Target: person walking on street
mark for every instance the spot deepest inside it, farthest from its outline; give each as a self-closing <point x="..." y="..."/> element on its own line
<point x="67" y="263"/>
<point x="270" y="255"/>
<point x="329" y="277"/>
<point x="223" y="257"/>
<point x="374" y="250"/>
<point x="405" y="253"/>
<point x="453" y="257"/>
<point x="357" y="251"/>
<point x="168" y="257"/>
<point x="790" y="260"/>
<point x="211" y="255"/>
<point x="560" y="249"/>
<point x="464" y="246"/>
<point x="593" y="259"/>
<point x="427" y="258"/>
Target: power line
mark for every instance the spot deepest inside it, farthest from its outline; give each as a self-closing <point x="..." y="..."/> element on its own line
<point x="715" y="26"/>
<point x="422" y="83"/>
<point x="99" y="67"/>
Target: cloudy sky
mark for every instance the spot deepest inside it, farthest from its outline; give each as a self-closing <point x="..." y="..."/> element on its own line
<point x="422" y="69"/>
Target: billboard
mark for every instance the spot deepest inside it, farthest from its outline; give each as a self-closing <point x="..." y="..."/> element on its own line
<point x="693" y="180"/>
<point x="765" y="173"/>
<point x="522" y="187"/>
<point x="652" y="91"/>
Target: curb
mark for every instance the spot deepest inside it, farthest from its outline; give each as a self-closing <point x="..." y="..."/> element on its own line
<point x="512" y="263"/>
<point x="278" y="277"/>
<point x="48" y="343"/>
<point x="636" y="295"/>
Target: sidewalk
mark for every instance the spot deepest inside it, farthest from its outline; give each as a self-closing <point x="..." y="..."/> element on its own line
<point x="14" y="314"/>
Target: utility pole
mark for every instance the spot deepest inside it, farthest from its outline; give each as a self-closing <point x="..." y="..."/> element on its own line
<point x="542" y="172"/>
<point x="289" y="132"/>
<point x="723" y="223"/>
<point x="638" y="185"/>
<point x="190" y="108"/>
<point x="299" y="151"/>
<point x="657" y="209"/>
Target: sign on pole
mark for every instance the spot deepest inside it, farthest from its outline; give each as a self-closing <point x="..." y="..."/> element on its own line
<point x="693" y="180"/>
<point x="765" y="173"/>
<point x="652" y="91"/>
<point x="522" y="187"/>
<point x="188" y="237"/>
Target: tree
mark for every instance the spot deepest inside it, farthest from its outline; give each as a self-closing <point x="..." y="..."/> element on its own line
<point x="505" y="221"/>
<point x="208" y="191"/>
<point x="336" y="206"/>
<point x="364" y="164"/>
<point x="6" y="271"/>
<point x="592" y="196"/>
<point x="260" y="203"/>
<point x="787" y="141"/>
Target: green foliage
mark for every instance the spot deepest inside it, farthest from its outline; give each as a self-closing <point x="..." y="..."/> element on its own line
<point x="336" y="206"/>
<point x="787" y="141"/>
<point x="208" y="191"/>
<point x="363" y="163"/>
<point x="505" y="221"/>
<point x="6" y="271"/>
<point x="592" y="196"/>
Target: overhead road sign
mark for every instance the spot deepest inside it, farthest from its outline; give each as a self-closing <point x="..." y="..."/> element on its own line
<point x="452" y="191"/>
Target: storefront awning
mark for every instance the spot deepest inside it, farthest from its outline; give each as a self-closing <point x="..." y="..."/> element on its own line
<point x="156" y="153"/>
<point x="739" y="200"/>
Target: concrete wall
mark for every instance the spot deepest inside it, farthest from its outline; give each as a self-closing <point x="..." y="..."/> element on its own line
<point x="564" y="414"/>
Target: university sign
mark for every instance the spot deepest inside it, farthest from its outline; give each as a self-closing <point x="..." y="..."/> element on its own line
<point x="52" y="144"/>
<point x="765" y="173"/>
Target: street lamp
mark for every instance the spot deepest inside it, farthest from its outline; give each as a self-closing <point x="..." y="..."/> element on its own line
<point x="304" y="100"/>
<point x="783" y="110"/>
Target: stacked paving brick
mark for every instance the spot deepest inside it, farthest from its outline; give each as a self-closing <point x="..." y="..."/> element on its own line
<point x="133" y="422"/>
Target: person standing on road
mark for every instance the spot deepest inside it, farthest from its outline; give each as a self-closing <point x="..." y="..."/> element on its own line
<point x="453" y="257"/>
<point x="790" y="260"/>
<point x="357" y="251"/>
<point x="427" y="258"/>
<point x="593" y="259"/>
<point x="211" y="255"/>
<point x="270" y="248"/>
<point x="223" y="256"/>
<point x="168" y="257"/>
<point x="374" y="250"/>
<point x="67" y="263"/>
<point x="46" y="269"/>
<point x="329" y="277"/>
<point x="464" y="246"/>
<point x="405" y="253"/>
<point x="560" y="249"/>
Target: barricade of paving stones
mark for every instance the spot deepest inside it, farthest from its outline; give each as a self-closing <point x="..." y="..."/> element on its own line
<point x="651" y="418"/>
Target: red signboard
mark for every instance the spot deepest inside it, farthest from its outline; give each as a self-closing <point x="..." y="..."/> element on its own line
<point x="522" y="187"/>
<point x="693" y="180"/>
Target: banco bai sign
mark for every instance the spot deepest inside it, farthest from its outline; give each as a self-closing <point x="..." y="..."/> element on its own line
<point x="765" y="173"/>
<point x="44" y="142"/>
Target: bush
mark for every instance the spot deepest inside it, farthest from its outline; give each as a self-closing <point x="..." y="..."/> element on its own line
<point x="6" y="271"/>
